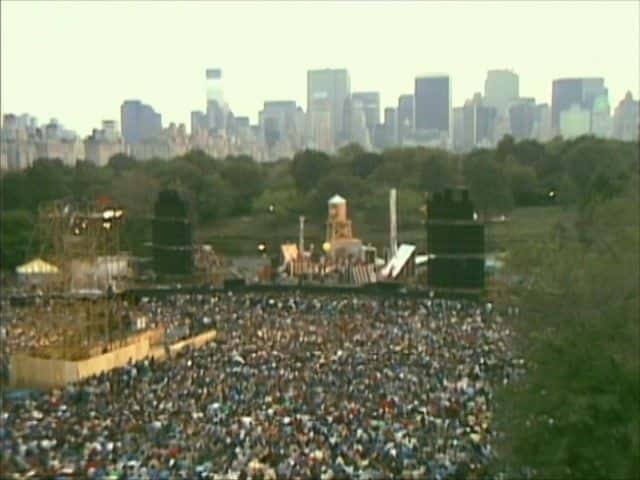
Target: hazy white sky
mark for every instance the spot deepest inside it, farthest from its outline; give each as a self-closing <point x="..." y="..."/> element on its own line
<point x="77" y="61"/>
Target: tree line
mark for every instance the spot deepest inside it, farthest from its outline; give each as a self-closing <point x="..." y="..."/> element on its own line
<point x="514" y="174"/>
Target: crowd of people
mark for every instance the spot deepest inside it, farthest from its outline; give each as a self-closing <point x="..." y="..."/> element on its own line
<point x="295" y="386"/>
<point x="43" y="322"/>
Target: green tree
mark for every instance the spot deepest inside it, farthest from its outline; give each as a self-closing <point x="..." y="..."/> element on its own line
<point x="200" y="160"/>
<point x="47" y="180"/>
<point x="88" y="180"/>
<point x="436" y="170"/>
<point x="246" y="181"/>
<point x="181" y="175"/>
<point x="394" y="170"/>
<point x="214" y="198"/>
<point x="364" y="164"/>
<point x="505" y="149"/>
<point x="524" y="185"/>
<point x="576" y="413"/>
<point x="596" y="169"/>
<point x="528" y="152"/>
<point x="489" y="187"/>
<point x="350" y="151"/>
<point x="14" y="191"/>
<point x="287" y="203"/>
<point x="121" y="162"/>
<point x="15" y="235"/>
<point x="308" y="168"/>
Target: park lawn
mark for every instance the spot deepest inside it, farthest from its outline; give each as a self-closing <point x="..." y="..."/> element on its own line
<point x="527" y="224"/>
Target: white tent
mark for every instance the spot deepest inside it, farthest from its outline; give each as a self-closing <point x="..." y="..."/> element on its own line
<point x="37" y="266"/>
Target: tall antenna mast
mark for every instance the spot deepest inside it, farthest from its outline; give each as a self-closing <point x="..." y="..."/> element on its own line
<point x="393" y="223"/>
<point x="301" y="237"/>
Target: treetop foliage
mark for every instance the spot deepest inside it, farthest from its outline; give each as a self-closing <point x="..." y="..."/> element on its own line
<point x="576" y="413"/>
<point x="514" y="174"/>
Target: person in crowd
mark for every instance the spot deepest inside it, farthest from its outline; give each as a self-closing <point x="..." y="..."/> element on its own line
<point x="297" y="386"/>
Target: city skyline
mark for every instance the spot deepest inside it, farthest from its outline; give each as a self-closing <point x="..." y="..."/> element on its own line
<point x="153" y="70"/>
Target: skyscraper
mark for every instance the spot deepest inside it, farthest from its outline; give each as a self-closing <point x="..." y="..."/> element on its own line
<point x="391" y="126"/>
<point x="626" y="119"/>
<point x="543" y="131"/>
<point x="355" y="123"/>
<point x="327" y="91"/>
<point x="405" y="116"/>
<point x="574" y="121"/>
<point x="103" y="143"/>
<point x="592" y="89"/>
<point x="501" y="87"/>
<point x="278" y="121"/>
<point x="432" y="104"/>
<point x="478" y="123"/>
<point x="601" y="123"/>
<point x="214" y="85"/>
<point x="522" y="118"/>
<point x="217" y="108"/>
<point x="198" y="122"/>
<point x="139" y="121"/>
<point x="371" y="104"/>
<point x="321" y="133"/>
<point x="566" y="92"/>
<point x="458" y="129"/>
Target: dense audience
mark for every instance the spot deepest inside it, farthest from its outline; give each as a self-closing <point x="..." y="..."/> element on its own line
<point x="294" y="387"/>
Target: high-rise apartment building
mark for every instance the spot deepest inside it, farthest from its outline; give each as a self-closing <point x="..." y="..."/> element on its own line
<point x="522" y="118"/>
<point x="601" y="122"/>
<point x="198" y="122"/>
<point x="277" y="120"/>
<point x="171" y="142"/>
<point x="23" y="142"/>
<point x="458" y="129"/>
<point x="574" y="121"/>
<point x="327" y="91"/>
<point x="355" y="128"/>
<point x="432" y="104"/>
<point x="371" y="104"/>
<point x="320" y="124"/>
<point x="543" y="131"/>
<point x="280" y="128"/>
<point x="501" y="87"/>
<point x="103" y="143"/>
<point x="567" y="92"/>
<point x="139" y="121"/>
<point x="478" y="123"/>
<point x="391" y="126"/>
<point x="626" y="119"/>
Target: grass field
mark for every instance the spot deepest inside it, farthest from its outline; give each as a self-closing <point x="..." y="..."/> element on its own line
<point x="240" y="236"/>
<point x="526" y="224"/>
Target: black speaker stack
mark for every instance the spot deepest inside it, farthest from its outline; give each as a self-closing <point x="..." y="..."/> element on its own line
<point x="172" y="236"/>
<point x="455" y="242"/>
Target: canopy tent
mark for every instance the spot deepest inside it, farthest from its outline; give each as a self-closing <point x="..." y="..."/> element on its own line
<point x="37" y="266"/>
